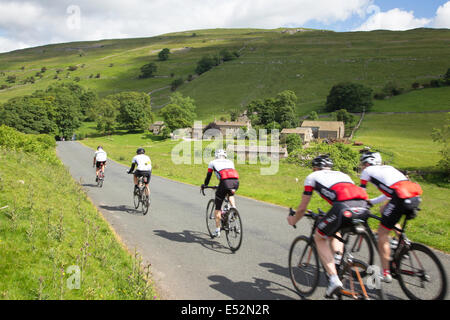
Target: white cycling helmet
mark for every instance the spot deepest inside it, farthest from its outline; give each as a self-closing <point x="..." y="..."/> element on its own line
<point x="372" y="158"/>
<point x="221" y="153"/>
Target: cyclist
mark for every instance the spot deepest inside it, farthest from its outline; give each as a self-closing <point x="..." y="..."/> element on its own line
<point x="400" y="195"/>
<point x="340" y="191"/>
<point x="100" y="158"/>
<point x="228" y="185"/>
<point x="143" y="166"/>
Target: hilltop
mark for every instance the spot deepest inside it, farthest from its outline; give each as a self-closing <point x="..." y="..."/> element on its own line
<point x="308" y="62"/>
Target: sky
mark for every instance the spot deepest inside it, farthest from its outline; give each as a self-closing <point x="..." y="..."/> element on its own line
<point x="28" y="23"/>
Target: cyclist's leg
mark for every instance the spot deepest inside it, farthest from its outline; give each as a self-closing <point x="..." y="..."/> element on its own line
<point x="220" y="196"/>
<point x="147" y="185"/>
<point x="135" y="178"/>
<point x="232" y="185"/>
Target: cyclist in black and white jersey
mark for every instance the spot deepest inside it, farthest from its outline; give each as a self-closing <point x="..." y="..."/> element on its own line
<point x="340" y="191"/>
<point x="100" y="158"/>
<point x="143" y="166"/>
<point x="224" y="170"/>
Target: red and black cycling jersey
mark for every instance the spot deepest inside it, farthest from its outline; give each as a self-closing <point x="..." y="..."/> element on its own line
<point x="333" y="186"/>
<point x="390" y="181"/>
<point x="223" y="169"/>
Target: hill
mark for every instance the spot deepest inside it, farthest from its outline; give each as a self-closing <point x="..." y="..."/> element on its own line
<point x="308" y="62"/>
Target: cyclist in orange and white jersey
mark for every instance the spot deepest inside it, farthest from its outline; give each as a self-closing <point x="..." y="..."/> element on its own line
<point x="224" y="170"/>
<point x="340" y="191"/>
<point x="401" y="195"/>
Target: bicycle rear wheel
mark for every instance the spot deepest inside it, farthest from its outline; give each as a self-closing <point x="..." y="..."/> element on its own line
<point x="210" y="218"/>
<point x="421" y="274"/>
<point x="304" y="268"/>
<point x="145" y="201"/>
<point x="233" y="230"/>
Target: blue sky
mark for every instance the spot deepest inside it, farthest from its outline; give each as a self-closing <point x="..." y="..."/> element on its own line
<point x="27" y="23"/>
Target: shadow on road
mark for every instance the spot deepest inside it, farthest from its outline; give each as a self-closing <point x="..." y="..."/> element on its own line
<point x="188" y="236"/>
<point x="259" y="289"/>
<point x="123" y="208"/>
<point x="89" y="185"/>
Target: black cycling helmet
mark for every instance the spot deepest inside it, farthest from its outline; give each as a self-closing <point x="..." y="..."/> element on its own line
<point x="140" y="151"/>
<point x="322" y="161"/>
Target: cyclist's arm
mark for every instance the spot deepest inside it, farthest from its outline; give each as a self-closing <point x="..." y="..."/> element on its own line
<point x="208" y="177"/>
<point x="379" y="199"/>
<point x="133" y="165"/>
<point x="95" y="157"/>
<point x="306" y="198"/>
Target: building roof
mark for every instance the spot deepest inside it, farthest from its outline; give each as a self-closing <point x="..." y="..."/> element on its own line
<point x="296" y="131"/>
<point x="231" y="124"/>
<point x="323" y="125"/>
<point x="158" y="123"/>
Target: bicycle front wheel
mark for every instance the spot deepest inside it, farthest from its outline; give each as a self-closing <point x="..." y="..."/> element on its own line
<point x="421" y="274"/>
<point x="136" y="198"/>
<point x="304" y="268"/>
<point x="210" y="218"/>
<point x="234" y="230"/>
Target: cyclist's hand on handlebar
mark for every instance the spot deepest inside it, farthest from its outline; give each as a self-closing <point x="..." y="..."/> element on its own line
<point x="370" y="204"/>
<point x="291" y="218"/>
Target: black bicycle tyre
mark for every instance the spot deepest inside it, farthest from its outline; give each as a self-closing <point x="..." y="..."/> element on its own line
<point x="313" y="283"/>
<point x="210" y="218"/>
<point x="353" y="244"/>
<point x="136" y="198"/>
<point x="231" y="229"/>
<point x="145" y="200"/>
<point x="427" y="251"/>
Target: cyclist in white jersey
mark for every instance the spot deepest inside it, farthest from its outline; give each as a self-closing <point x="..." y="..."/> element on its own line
<point x="143" y="166"/>
<point x="401" y="196"/>
<point x="100" y="158"/>
<point x="340" y="191"/>
<point x="224" y="170"/>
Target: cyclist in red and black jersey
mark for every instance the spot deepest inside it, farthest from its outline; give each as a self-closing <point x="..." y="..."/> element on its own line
<point x="401" y="195"/>
<point x="340" y="191"/>
<point x="228" y="185"/>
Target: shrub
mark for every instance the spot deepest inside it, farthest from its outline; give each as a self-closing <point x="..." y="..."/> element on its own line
<point x="163" y="55"/>
<point x="148" y="70"/>
<point x="205" y="64"/>
<point x="293" y="142"/>
<point x="353" y="97"/>
<point x="72" y="68"/>
<point x="176" y="83"/>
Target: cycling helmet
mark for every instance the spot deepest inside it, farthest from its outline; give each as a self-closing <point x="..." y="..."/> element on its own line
<point x="140" y="151"/>
<point x="220" y="153"/>
<point x="99" y="147"/>
<point x="322" y="161"/>
<point x="372" y="158"/>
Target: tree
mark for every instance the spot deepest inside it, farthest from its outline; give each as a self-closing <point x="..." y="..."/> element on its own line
<point x="226" y="55"/>
<point x="205" y="64"/>
<point x="313" y="116"/>
<point x="442" y="135"/>
<point x="284" y="108"/>
<point x="447" y="77"/>
<point x="179" y="113"/>
<point x="134" y="110"/>
<point x="176" y="83"/>
<point x="106" y="115"/>
<point x="163" y="55"/>
<point x="293" y="142"/>
<point x="351" y="96"/>
<point x="148" y="70"/>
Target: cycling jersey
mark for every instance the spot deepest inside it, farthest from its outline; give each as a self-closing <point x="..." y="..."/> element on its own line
<point x="333" y="186"/>
<point x="142" y="162"/>
<point x="223" y="169"/>
<point x="100" y="155"/>
<point x="390" y="182"/>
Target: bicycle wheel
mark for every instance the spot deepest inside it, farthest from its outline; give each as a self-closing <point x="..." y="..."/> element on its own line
<point x="304" y="268"/>
<point x="360" y="247"/>
<point x="145" y="200"/>
<point x="353" y="285"/>
<point x="233" y="230"/>
<point x="421" y="274"/>
<point x="210" y="218"/>
<point x="100" y="180"/>
<point x="136" y="197"/>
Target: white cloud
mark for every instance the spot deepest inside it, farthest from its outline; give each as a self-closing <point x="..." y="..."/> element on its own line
<point x="442" y="19"/>
<point x="394" y="19"/>
<point x="43" y="22"/>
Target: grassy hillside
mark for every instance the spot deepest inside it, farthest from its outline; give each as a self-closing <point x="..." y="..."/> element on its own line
<point x="308" y="63"/>
<point x="40" y="239"/>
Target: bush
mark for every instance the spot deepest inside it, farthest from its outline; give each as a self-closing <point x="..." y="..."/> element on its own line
<point x="176" y="83"/>
<point x="353" y="97"/>
<point x="148" y="70"/>
<point x="344" y="158"/>
<point x="205" y="64"/>
<point x="436" y="83"/>
<point x="293" y="142"/>
<point x="72" y="68"/>
<point x="163" y="55"/>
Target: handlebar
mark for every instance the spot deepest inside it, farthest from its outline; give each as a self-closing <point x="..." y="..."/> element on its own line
<point x="202" y="189"/>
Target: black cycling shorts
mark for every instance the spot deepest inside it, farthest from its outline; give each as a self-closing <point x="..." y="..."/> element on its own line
<point x="146" y="174"/>
<point x="99" y="164"/>
<point x="226" y="187"/>
<point x="396" y="208"/>
<point x="334" y="219"/>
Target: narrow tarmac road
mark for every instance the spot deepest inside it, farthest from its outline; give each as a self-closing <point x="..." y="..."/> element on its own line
<point x="186" y="262"/>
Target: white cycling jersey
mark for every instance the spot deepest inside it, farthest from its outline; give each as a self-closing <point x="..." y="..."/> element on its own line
<point x="100" y="155"/>
<point x="143" y="162"/>
<point x="223" y="169"/>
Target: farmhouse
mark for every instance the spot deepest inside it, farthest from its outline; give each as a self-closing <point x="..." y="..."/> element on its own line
<point x="306" y="134"/>
<point x="255" y="151"/>
<point x="325" y="129"/>
<point x="232" y="126"/>
<point x="156" y="127"/>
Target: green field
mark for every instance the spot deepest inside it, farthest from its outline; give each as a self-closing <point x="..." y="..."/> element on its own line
<point x="309" y="63"/>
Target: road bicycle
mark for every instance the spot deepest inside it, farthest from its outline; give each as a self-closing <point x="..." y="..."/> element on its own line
<point x="101" y="176"/>
<point x="230" y="220"/>
<point x="141" y="195"/>
<point x="418" y="270"/>
<point x="305" y="266"/>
